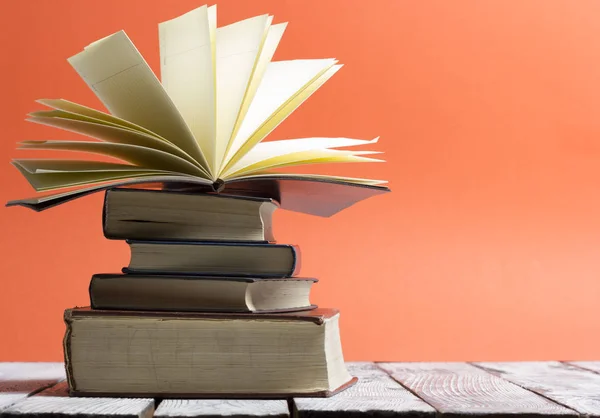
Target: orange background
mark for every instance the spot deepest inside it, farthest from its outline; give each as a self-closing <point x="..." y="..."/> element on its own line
<point x="488" y="111"/>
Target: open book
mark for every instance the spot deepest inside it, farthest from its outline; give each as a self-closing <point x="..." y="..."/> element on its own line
<point x="201" y="125"/>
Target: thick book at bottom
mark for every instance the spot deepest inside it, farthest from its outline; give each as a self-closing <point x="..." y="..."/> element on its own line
<point x="204" y="355"/>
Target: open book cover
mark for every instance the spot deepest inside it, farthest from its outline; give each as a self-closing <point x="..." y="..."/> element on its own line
<point x="200" y="126"/>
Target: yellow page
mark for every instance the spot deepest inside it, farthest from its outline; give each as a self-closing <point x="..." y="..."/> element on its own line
<point x="115" y="134"/>
<point x="76" y="108"/>
<point x="238" y="48"/>
<point x="120" y="77"/>
<point x="141" y="156"/>
<point x="63" y="114"/>
<point x="339" y="179"/>
<point x="306" y="157"/>
<point x="281" y="84"/>
<point x="51" y="181"/>
<point x="283" y="113"/>
<point x="266" y="150"/>
<point x="73" y="194"/>
<point x="37" y="166"/>
<point x="188" y="73"/>
<point x="272" y="40"/>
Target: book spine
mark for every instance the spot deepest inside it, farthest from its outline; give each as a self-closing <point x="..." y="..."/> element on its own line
<point x="105" y="216"/>
<point x="297" y="263"/>
<point x="67" y="350"/>
<point x="91" y="293"/>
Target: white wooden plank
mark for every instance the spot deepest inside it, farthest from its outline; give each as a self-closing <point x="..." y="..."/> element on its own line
<point x="7" y="399"/>
<point x="569" y="385"/>
<point x="55" y="401"/>
<point x="222" y="408"/>
<point x="593" y="366"/>
<point x="462" y="389"/>
<point x="375" y="394"/>
<point x="32" y="371"/>
<point x="18" y="379"/>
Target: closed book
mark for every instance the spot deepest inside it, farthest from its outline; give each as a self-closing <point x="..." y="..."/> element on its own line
<point x="204" y="355"/>
<point x="179" y="216"/>
<point x="213" y="258"/>
<point x="199" y="293"/>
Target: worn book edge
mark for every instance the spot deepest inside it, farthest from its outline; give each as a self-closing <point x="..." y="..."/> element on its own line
<point x="317" y="316"/>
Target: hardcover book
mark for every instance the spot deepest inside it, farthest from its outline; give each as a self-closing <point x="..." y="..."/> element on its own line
<point x="195" y="355"/>
<point x="213" y="258"/>
<point x="199" y="293"/>
<point x="177" y="216"/>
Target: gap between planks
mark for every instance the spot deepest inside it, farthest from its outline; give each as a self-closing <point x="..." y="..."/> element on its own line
<point x="19" y="380"/>
<point x="375" y="394"/>
<point x="563" y="383"/>
<point x="463" y="389"/>
<point x="55" y="401"/>
<point x="590" y="366"/>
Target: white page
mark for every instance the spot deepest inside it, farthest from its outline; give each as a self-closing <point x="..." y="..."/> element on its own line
<point x="120" y="77"/>
<point x="238" y="48"/>
<point x="283" y="112"/>
<point x="272" y="40"/>
<point x="267" y="150"/>
<point x="188" y="73"/>
<point x="281" y="81"/>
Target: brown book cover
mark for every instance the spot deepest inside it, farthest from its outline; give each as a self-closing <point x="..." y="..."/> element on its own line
<point x="315" y="196"/>
<point x="316" y="316"/>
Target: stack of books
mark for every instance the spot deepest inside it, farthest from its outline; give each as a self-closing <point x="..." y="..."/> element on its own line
<point x="209" y="305"/>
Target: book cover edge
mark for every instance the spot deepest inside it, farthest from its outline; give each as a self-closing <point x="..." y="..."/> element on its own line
<point x="67" y="318"/>
<point x="118" y="276"/>
<point x="217" y="395"/>
<point x="317" y="318"/>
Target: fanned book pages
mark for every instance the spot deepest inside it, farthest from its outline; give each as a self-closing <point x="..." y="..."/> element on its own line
<point x="201" y="125"/>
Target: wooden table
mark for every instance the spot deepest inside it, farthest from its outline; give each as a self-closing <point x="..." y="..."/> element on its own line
<point x="384" y="390"/>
